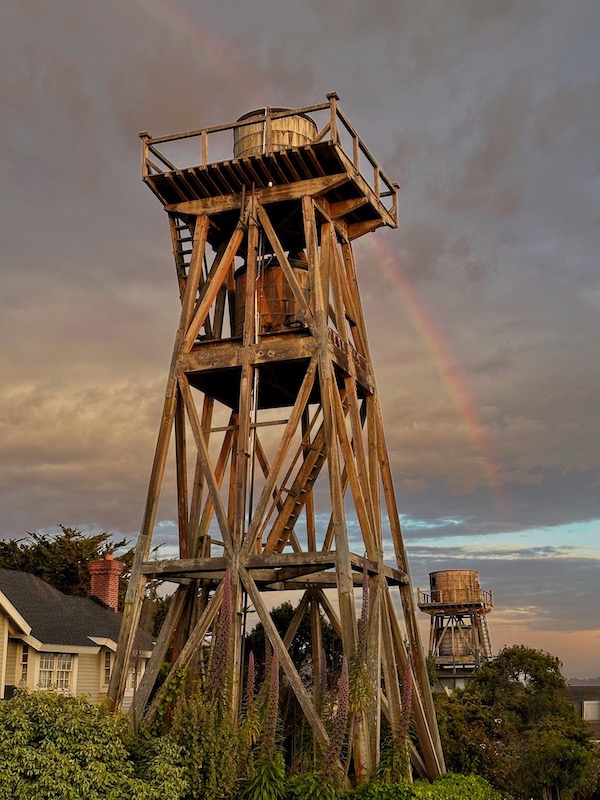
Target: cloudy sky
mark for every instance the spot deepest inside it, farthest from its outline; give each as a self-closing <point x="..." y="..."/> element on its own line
<point x="483" y="307"/>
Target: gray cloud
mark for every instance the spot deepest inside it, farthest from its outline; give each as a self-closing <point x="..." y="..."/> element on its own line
<point x="486" y="113"/>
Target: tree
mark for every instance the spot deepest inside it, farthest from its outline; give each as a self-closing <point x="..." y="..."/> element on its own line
<point x="514" y="724"/>
<point x="62" y="559"/>
<point x="300" y="649"/>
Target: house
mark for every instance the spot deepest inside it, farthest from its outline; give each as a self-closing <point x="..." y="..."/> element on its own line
<point x="52" y="640"/>
<point x="586" y="699"/>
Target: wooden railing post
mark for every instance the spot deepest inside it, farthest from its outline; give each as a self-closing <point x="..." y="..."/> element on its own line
<point x="144" y="136"/>
<point x="267" y="148"/>
<point x="204" y="136"/>
<point x="333" y="98"/>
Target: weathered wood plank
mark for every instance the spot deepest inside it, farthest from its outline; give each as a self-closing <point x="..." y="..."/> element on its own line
<point x="286" y="267"/>
<point x="137" y="582"/>
<point x="212" y="286"/>
<point x="274" y="194"/>
<point x="285" y="660"/>
<point x="212" y="483"/>
<point x="159" y="653"/>
<point x="188" y="651"/>
<point x="280" y="455"/>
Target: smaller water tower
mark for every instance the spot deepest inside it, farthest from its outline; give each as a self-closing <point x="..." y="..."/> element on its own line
<point x="459" y="638"/>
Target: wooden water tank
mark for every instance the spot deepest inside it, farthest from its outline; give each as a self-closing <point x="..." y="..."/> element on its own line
<point x="277" y="307"/>
<point x="457" y="642"/>
<point x="455" y="586"/>
<point x="293" y="131"/>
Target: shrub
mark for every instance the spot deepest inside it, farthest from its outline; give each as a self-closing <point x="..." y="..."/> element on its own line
<point x="54" y="746"/>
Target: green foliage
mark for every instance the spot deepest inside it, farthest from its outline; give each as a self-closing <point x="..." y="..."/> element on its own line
<point x="514" y="725"/>
<point x="312" y="786"/>
<point x="57" y="746"/>
<point x="394" y="760"/>
<point x="431" y="670"/>
<point x="448" y="787"/>
<point x="457" y="787"/>
<point x="62" y="559"/>
<point x="268" y="781"/>
<point x="214" y="750"/>
<point x="300" y="649"/>
<point x="377" y="790"/>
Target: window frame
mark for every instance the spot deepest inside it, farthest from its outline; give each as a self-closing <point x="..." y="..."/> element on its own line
<point x="56" y="671"/>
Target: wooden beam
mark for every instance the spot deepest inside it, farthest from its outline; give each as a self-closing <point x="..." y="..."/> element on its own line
<point x="285" y="660"/>
<point x="212" y="285"/>
<point x="182" y="481"/>
<point x="280" y="455"/>
<point x="275" y="194"/>
<point x="198" y="486"/>
<point x="330" y="612"/>
<point x="427" y="733"/>
<point x="137" y="582"/>
<point x="326" y="378"/>
<point x="298" y="493"/>
<point x="286" y="267"/>
<point x="159" y="653"/>
<point x="188" y="651"/>
<point x="356" y="488"/>
<point x="213" y="486"/>
<point x="297" y="618"/>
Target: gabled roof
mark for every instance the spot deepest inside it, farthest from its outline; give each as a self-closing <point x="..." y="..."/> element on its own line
<point x="56" y="618"/>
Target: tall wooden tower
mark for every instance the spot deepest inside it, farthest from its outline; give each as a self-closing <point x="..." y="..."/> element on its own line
<point x="283" y="480"/>
<point x="459" y="636"/>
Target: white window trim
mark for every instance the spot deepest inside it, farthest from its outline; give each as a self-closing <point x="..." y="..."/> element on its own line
<point x="55" y="663"/>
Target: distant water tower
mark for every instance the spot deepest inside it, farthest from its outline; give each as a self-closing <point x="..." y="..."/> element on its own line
<point x="459" y="638"/>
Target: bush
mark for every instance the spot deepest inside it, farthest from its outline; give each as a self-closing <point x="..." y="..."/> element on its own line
<point x="55" y="746"/>
<point x="448" y="787"/>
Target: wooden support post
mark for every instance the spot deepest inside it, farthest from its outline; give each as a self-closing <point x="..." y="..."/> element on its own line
<point x="213" y="486"/>
<point x="137" y="581"/>
<point x="345" y="583"/>
<point x="159" y="652"/>
<point x="182" y="482"/>
<point x="316" y="648"/>
<point x="282" y="451"/>
<point x="286" y="662"/>
<point x="428" y="740"/>
<point x="407" y="598"/>
<point x="189" y="650"/>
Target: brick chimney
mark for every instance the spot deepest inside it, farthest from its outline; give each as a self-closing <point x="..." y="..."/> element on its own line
<point x="104" y="578"/>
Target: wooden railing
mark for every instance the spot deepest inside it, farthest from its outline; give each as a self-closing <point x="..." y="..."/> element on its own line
<point x="456" y="597"/>
<point x="155" y="162"/>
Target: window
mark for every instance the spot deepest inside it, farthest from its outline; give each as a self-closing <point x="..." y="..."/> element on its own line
<point x="24" y="662"/>
<point x="106" y="667"/>
<point x="591" y="710"/>
<point x="46" y="670"/>
<point x="64" y="663"/>
<point x="137" y="667"/>
<point x="133" y="679"/>
<point x="56" y="670"/>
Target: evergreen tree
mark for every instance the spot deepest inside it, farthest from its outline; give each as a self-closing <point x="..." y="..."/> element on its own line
<point x="514" y="725"/>
<point x="62" y="559"/>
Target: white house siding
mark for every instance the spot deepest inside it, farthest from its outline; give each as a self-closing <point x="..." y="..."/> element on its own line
<point x="13" y="663"/>
<point x="88" y="677"/>
<point x="3" y="651"/>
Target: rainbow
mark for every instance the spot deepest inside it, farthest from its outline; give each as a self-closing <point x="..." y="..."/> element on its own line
<point x="436" y="345"/>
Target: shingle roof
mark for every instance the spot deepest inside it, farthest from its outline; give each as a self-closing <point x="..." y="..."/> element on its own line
<point x="57" y="618"/>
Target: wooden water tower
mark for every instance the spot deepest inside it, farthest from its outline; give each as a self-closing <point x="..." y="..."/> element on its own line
<point x="459" y="637"/>
<point x="283" y="480"/>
